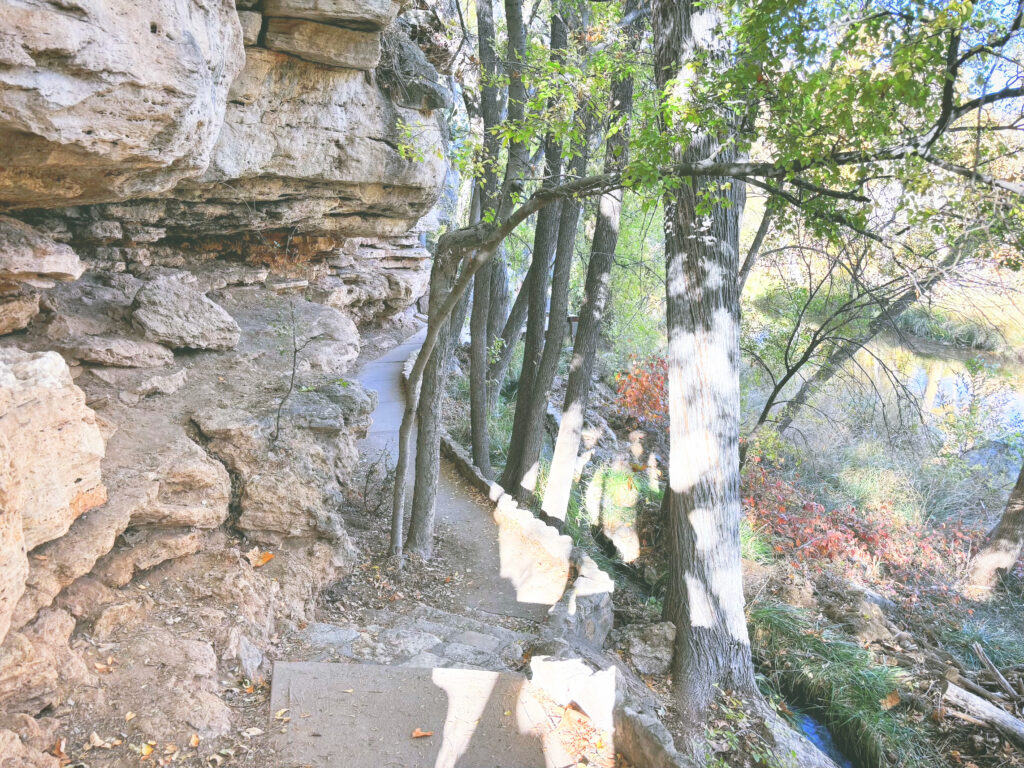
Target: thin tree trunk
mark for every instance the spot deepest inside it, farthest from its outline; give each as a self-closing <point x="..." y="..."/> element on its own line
<point x="1005" y="544"/>
<point x="499" y="300"/>
<point x="595" y="296"/>
<point x="554" y="339"/>
<point x="755" y="247"/>
<point x="705" y="594"/>
<point x="428" y="439"/>
<point x="458" y="319"/>
<point x="510" y="336"/>
<point x="490" y="108"/>
<point x="478" y="351"/>
<point x="545" y="239"/>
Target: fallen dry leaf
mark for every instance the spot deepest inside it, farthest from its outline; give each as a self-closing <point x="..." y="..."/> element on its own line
<point x="58" y="751"/>
<point x="250" y="732"/>
<point x="146" y="751"/>
<point x="890" y="701"/>
<point x="258" y="559"/>
<point x="129" y="716"/>
<point x="418" y="734"/>
<point x="194" y="741"/>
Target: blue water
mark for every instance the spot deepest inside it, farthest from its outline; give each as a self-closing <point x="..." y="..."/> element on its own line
<point x="819" y="735"/>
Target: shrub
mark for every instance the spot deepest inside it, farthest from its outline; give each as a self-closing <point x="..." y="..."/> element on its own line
<point x="642" y="390"/>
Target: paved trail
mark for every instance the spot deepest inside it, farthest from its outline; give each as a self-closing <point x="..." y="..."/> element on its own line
<point x="363" y="715"/>
<point x="464" y="510"/>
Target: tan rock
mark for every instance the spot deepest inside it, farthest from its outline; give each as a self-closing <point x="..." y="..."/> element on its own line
<point x="54" y="444"/>
<point x="340" y="170"/>
<point x="17" y="310"/>
<point x="13" y="562"/>
<point x="25" y="254"/>
<point x="16" y="754"/>
<point x="116" y="351"/>
<point x="146" y="548"/>
<point x="58" y="563"/>
<point x="116" y="616"/>
<point x="324" y="44"/>
<point x="172" y="312"/>
<point x="361" y="14"/>
<point x="191" y="488"/>
<point x="36" y="665"/>
<point x="110" y="99"/>
<point x="252" y="22"/>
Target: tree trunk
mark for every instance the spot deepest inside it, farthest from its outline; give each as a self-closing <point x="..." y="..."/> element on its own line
<point x="1005" y="544"/>
<point x="428" y="438"/>
<point x="499" y="301"/>
<point x="595" y="296"/>
<point x="545" y="238"/>
<point x="480" y="318"/>
<point x="458" y="319"/>
<point x="705" y="594"/>
<point x="554" y="339"/>
<point x="478" y="352"/>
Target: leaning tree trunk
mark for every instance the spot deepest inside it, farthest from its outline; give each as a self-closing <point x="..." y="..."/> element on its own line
<point x="595" y="296"/>
<point x="1005" y="544"/>
<point x="705" y="594"/>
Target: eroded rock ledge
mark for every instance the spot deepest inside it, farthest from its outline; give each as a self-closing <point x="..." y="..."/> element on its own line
<point x="188" y="195"/>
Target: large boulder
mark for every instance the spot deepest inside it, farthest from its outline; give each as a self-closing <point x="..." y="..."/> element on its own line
<point x="54" y="444"/>
<point x="171" y="312"/>
<point x="353" y="162"/>
<point x="357" y="14"/>
<point x="26" y="256"/>
<point x="324" y="44"/>
<point x="110" y="99"/>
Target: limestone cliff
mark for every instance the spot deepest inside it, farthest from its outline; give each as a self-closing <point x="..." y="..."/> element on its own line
<point x="200" y="207"/>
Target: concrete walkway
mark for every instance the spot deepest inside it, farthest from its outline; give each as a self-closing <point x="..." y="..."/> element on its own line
<point x="502" y="576"/>
<point x="372" y="716"/>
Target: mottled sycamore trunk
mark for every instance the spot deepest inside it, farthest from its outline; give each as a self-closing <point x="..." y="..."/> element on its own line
<point x="705" y="595"/>
<point x="1005" y="544"/>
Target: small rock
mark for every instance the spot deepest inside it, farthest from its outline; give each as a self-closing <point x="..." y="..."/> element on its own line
<point x="116" y="616"/>
<point x="27" y="255"/>
<point x="477" y="640"/>
<point x="648" y="646"/>
<point x="17" y="310"/>
<point x="250" y="658"/>
<point x="162" y="385"/>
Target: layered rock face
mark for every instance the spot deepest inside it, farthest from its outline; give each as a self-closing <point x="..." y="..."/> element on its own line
<point x="199" y="207"/>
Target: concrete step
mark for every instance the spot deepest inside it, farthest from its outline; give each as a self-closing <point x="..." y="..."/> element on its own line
<point x="365" y="716"/>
